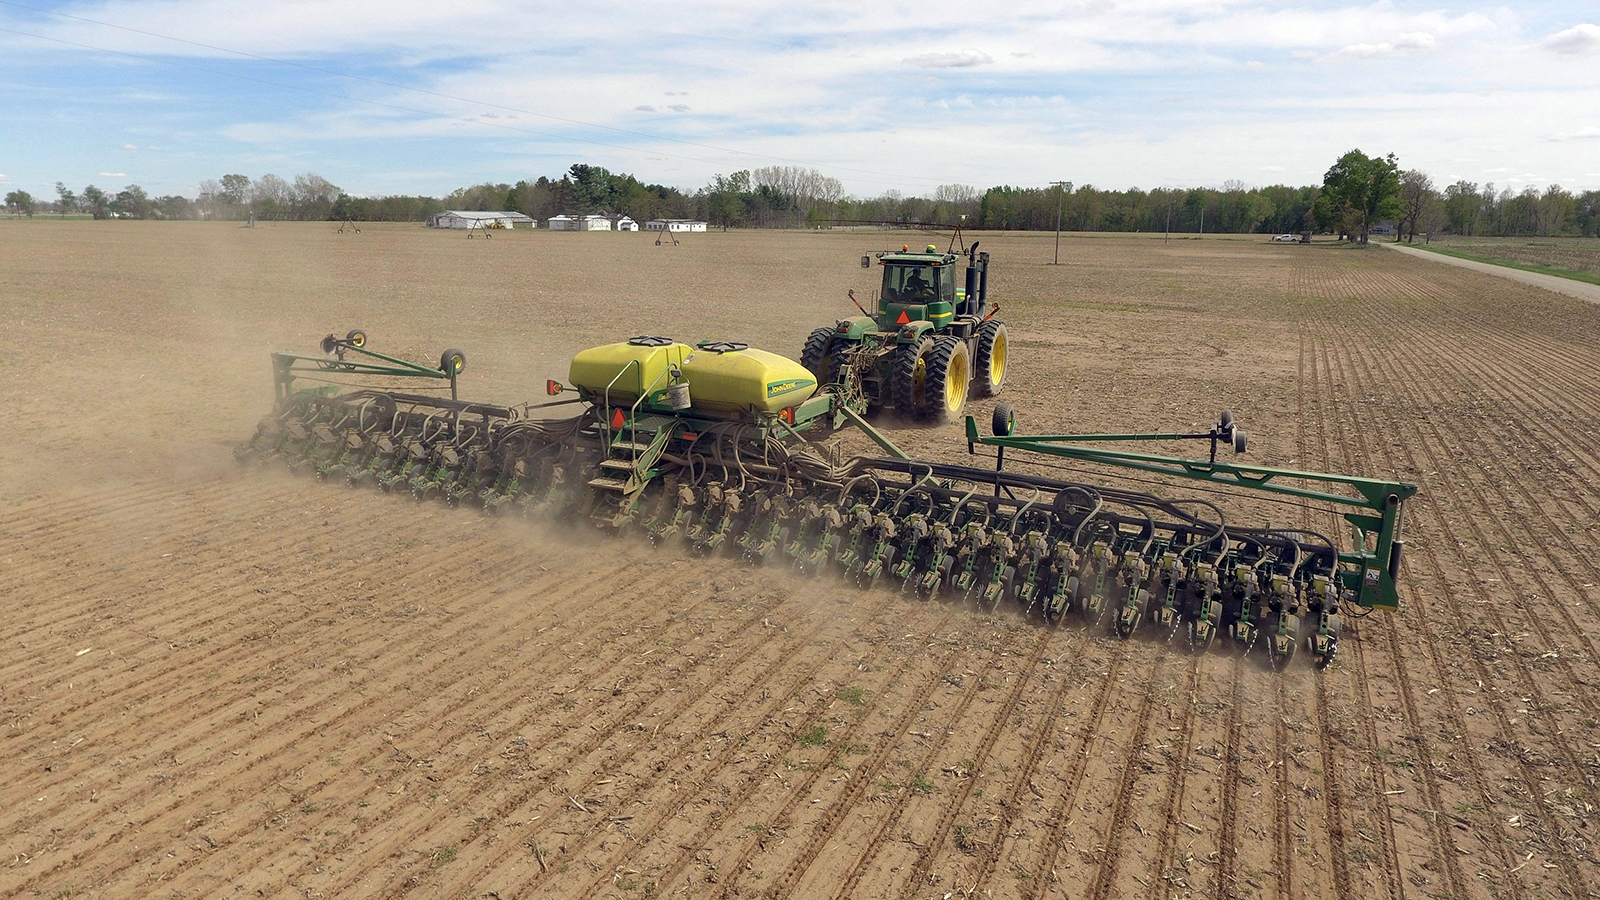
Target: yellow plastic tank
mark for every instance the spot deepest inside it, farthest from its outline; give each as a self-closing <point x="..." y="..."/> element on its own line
<point x="614" y="365"/>
<point x="733" y="377"/>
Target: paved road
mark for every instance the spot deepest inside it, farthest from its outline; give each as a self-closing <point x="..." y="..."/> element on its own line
<point x="1579" y="289"/>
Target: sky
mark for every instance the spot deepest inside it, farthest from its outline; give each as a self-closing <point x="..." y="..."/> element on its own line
<point x="423" y="96"/>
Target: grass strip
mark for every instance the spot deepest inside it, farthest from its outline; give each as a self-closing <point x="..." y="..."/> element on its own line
<point x="1558" y="271"/>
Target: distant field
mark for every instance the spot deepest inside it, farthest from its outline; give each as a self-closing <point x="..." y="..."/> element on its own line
<point x="1568" y="257"/>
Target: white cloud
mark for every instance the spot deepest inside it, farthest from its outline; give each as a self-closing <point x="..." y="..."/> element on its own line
<point x="644" y="107"/>
<point x="113" y="174"/>
<point x="130" y="146"/>
<point x="678" y="107"/>
<point x="1578" y="39"/>
<point x="1586" y="133"/>
<point x="957" y="59"/>
<point x="1404" y="45"/>
<point x="5" y="179"/>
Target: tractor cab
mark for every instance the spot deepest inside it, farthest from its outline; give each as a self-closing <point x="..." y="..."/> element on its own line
<point x="924" y="287"/>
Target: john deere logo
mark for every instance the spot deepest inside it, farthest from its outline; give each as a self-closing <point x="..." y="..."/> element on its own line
<point x="775" y="388"/>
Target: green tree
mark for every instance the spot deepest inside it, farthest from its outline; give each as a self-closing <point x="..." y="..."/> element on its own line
<point x="1359" y="191"/>
<point x="132" y="203"/>
<point x="97" y="202"/>
<point x="173" y="207"/>
<point x="234" y="190"/>
<point x="1461" y="207"/>
<point x="66" y="201"/>
<point x="21" y="201"/>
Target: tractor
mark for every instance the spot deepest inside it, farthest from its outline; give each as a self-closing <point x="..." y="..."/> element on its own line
<point x="932" y="342"/>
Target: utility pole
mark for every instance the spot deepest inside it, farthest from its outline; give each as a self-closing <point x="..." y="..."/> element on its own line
<point x="1060" y="189"/>
<point x="1168" y="233"/>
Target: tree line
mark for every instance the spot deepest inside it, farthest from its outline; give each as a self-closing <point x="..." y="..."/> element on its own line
<point x="1356" y="194"/>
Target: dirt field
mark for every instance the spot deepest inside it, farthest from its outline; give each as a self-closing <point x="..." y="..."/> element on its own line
<point x="219" y="682"/>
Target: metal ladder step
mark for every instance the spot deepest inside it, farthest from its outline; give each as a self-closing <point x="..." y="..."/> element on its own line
<point x="609" y="484"/>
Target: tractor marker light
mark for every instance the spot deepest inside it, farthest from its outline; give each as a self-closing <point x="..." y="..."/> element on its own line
<point x="553" y="387"/>
<point x="844" y="327"/>
<point x="787" y="415"/>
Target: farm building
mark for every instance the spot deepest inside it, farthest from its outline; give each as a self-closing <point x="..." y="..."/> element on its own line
<point x="455" y="218"/>
<point x="674" y="225"/>
<point x="579" y="223"/>
<point x="627" y="224"/>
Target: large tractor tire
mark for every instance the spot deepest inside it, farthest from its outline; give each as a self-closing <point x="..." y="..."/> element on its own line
<point x="909" y="379"/>
<point x="949" y="373"/>
<point x="990" y="362"/>
<point x="815" y="355"/>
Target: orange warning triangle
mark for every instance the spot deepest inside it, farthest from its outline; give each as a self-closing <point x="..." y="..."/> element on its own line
<point x="618" y="419"/>
<point x="903" y="318"/>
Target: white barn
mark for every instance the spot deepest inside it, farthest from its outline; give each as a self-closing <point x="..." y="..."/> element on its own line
<point x="566" y="222"/>
<point x="627" y="224"/>
<point x="456" y="218"/>
<point x="674" y="225"/>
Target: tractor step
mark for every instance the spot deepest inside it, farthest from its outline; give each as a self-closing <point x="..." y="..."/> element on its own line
<point x="649" y="423"/>
<point x="624" y="465"/>
<point x="623" y="445"/>
<point x="609" y="484"/>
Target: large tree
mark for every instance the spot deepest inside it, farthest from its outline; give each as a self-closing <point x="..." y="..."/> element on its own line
<point x="1359" y="191"/>
<point x="314" y="196"/>
<point x="97" y="202"/>
<point x="66" y="200"/>
<point x="235" y="189"/>
<point x="132" y="203"/>
<point x="21" y="201"/>
<point x="1461" y="207"/>
<point x="1416" y="196"/>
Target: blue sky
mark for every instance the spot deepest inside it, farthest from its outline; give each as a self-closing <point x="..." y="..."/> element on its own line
<point x="421" y="96"/>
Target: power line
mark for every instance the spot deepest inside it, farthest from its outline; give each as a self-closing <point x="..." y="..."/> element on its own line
<point x="423" y="91"/>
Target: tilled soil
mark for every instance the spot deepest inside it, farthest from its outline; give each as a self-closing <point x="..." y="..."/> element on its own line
<point x="225" y="682"/>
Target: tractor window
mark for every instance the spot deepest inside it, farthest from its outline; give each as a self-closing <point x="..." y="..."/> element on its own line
<point x="947" y="284"/>
<point x="909" y="284"/>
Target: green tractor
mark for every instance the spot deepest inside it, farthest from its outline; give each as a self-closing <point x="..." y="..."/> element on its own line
<point x="933" y="341"/>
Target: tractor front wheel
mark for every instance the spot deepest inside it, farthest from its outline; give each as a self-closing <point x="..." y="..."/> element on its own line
<point x="949" y="371"/>
<point x="991" y="359"/>
<point x="816" y="352"/>
<point x="909" y="380"/>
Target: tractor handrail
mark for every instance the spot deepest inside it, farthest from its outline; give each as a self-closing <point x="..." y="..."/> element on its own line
<point x="606" y="396"/>
<point x="633" y="411"/>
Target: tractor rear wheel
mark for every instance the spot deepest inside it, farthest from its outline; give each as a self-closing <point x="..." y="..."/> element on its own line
<point x="909" y="380"/>
<point x="949" y="372"/>
<point x="990" y="362"/>
<point x="816" y="353"/>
